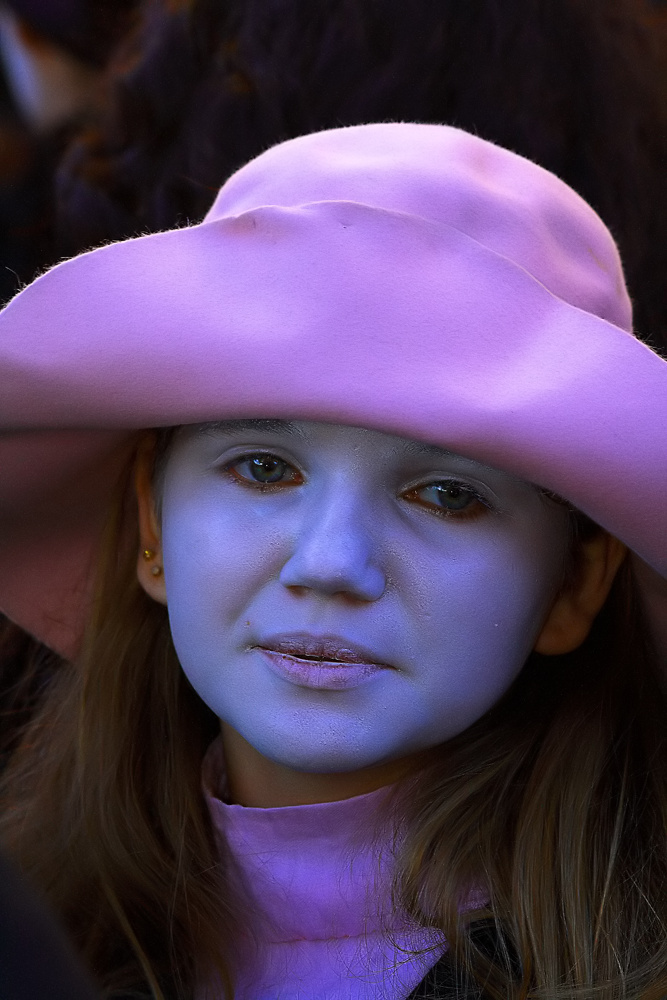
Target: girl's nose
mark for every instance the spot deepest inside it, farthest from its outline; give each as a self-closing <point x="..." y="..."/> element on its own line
<point x="336" y="554"/>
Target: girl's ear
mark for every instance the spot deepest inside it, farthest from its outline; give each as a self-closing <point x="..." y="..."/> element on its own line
<point x="149" y="561"/>
<point x="570" y="619"/>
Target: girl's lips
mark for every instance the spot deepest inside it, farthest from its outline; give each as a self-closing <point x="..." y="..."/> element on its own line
<point x="329" y="650"/>
<point x="332" y="675"/>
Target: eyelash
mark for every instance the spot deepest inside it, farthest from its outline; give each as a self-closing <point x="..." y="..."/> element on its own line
<point x="476" y="508"/>
<point x="468" y="512"/>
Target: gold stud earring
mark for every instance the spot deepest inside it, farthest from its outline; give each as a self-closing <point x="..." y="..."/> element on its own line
<point x="149" y="554"/>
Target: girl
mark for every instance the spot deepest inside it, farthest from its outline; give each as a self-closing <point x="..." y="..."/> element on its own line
<point x="371" y="588"/>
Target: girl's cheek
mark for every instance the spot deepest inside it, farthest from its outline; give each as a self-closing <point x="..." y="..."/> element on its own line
<point x="219" y="559"/>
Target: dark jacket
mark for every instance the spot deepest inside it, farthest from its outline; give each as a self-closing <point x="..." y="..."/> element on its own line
<point x="36" y="960"/>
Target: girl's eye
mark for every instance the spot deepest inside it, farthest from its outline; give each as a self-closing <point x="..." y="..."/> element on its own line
<point x="264" y="470"/>
<point x="449" y="498"/>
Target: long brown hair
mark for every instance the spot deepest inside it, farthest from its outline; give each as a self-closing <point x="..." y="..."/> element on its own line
<point x="102" y="804"/>
<point x="555" y="803"/>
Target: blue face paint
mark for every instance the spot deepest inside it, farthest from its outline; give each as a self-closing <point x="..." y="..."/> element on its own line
<point x="342" y="597"/>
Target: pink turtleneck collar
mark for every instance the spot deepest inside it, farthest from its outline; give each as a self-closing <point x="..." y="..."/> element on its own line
<point x="318" y="891"/>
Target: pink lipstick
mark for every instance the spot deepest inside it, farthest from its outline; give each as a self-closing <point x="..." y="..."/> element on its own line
<point x="320" y="662"/>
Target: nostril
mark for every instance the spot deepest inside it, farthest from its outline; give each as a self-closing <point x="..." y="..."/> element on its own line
<point x="343" y="595"/>
<point x="359" y="581"/>
<point x="297" y="589"/>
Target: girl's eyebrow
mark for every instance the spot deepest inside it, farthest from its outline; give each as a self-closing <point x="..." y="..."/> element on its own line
<point x="250" y="425"/>
<point x="276" y="426"/>
<point x="422" y="448"/>
<point x="435" y="452"/>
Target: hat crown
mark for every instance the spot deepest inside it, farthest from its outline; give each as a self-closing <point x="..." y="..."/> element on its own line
<point x="498" y="198"/>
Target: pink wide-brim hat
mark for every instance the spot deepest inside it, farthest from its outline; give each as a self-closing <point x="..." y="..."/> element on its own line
<point x="410" y="278"/>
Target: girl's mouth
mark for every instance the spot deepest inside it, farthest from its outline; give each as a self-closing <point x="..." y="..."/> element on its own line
<point x="329" y="649"/>
<point x="322" y="662"/>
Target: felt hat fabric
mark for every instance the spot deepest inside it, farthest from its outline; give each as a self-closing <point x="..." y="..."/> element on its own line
<point x="409" y="278"/>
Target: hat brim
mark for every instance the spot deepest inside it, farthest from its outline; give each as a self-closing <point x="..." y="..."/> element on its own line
<point x="302" y="313"/>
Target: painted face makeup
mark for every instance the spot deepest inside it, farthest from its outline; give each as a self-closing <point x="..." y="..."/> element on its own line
<point x="343" y="597"/>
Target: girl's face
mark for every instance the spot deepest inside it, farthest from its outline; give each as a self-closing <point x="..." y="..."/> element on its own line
<point x="342" y="597"/>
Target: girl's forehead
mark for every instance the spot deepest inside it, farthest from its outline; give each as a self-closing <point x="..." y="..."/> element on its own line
<point x="314" y="432"/>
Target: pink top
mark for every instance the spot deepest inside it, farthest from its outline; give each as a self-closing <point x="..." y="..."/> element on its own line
<point x="319" y="898"/>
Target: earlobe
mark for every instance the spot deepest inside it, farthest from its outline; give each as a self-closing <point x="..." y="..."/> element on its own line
<point x="575" y="608"/>
<point x="149" y="560"/>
